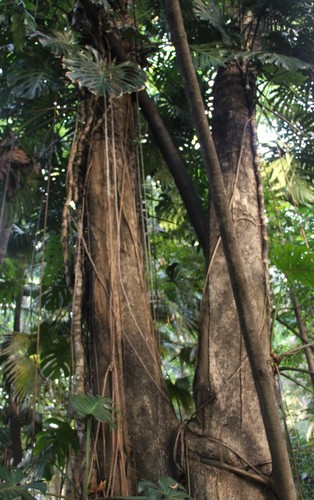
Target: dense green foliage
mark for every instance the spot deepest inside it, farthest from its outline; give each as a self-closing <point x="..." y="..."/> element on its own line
<point x="45" y="62"/>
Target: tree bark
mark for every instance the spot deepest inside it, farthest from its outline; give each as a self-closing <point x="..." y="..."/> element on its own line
<point x="14" y="411"/>
<point x="303" y="334"/>
<point x="246" y="309"/>
<point x="124" y="360"/>
<point x="4" y="240"/>
<point x="233" y="417"/>
<point x="171" y="156"/>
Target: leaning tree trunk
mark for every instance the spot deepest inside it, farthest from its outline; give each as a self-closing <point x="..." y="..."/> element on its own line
<point x="123" y="359"/>
<point x="229" y="422"/>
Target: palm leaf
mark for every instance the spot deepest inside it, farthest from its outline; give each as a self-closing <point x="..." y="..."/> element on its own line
<point x="210" y="12"/>
<point x="13" y="485"/>
<point x="18" y="367"/>
<point x="280" y="60"/>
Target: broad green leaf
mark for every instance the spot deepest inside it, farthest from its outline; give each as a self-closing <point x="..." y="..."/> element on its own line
<point x="88" y="69"/>
<point x="52" y="444"/>
<point x="30" y="78"/>
<point x="296" y="262"/>
<point x="166" y="488"/>
<point x="29" y="21"/>
<point x="62" y="43"/>
<point x="99" y="407"/>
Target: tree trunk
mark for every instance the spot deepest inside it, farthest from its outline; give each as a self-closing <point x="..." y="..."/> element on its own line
<point x="210" y="385"/>
<point x="4" y="239"/>
<point x="303" y="334"/>
<point x="14" y="411"/>
<point x="230" y="420"/>
<point x="124" y="360"/>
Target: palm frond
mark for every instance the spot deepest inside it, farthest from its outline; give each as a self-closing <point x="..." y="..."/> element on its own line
<point x="13" y="485"/>
<point x="18" y="367"/>
<point x="209" y="11"/>
<point x="279" y="60"/>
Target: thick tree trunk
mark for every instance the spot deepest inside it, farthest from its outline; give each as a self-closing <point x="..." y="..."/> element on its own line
<point x="240" y="276"/>
<point x="231" y="417"/>
<point x="124" y="361"/>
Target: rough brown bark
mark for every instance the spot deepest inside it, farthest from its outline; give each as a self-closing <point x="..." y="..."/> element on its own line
<point x="303" y="334"/>
<point x="125" y="361"/>
<point x="233" y="417"/>
<point x="121" y="350"/>
<point x="246" y="304"/>
<point x="171" y="155"/>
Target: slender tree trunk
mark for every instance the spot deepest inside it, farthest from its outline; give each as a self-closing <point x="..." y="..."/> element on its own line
<point x="124" y="360"/>
<point x="4" y="240"/>
<point x="14" y="413"/>
<point x="210" y="385"/>
<point x="303" y="334"/>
